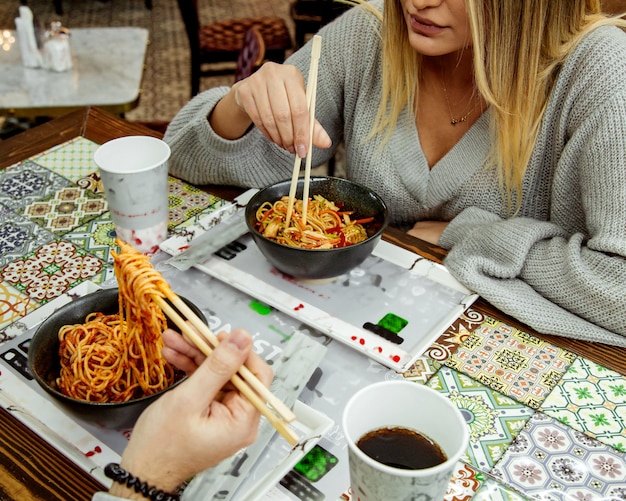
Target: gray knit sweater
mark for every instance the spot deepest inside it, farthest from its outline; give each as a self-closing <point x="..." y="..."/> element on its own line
<point x="558" y="266"/>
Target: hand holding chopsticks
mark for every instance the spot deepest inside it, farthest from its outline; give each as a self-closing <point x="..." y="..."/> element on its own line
<point x="244" y="381"/>
<point x="311" y="95"/>
<point x="146" y="281"/>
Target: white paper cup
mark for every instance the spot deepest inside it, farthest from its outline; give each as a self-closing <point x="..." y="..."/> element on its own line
<point x="134" y="172"/>
<point x="408" y="405"/>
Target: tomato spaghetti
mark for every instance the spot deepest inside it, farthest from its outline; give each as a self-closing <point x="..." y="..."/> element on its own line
<point x="117" y="357"/>
<point x="327" y="225"/>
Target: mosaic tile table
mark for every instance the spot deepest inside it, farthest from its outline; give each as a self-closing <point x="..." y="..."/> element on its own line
<point x="544" y="422"/>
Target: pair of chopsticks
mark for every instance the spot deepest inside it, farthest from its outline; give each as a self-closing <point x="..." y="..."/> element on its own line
<point x="272" y="408"/>
<point x="311" y="95"/>
<point x="130" y="262"/>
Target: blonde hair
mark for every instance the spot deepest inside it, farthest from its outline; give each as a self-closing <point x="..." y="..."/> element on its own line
<point x="518" y="47"/>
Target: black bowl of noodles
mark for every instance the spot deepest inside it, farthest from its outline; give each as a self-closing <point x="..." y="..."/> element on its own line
<point x="44" y="362"/>
<point x="354" y="201"/>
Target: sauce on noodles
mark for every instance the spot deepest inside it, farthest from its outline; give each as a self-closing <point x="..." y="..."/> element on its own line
<point x="327" y="226"/>
<point x="116" y="358"/>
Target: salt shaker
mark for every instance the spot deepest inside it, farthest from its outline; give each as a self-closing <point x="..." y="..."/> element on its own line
<point x="56" y="48"/>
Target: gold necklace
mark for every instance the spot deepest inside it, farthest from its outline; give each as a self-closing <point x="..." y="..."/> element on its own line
<point x="454" y="121"/>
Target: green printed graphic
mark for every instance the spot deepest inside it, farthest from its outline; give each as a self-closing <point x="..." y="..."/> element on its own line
<point x="260" y="308"/>
<point x="393" y="323"/>
<point x="317" y="463"/>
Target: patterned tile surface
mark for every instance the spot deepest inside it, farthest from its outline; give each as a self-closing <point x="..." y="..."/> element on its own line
<point x="185" y="202"/>
<point x="493" y="419"/>
<point x="591" y="399"/>
<point x="26" y="183"/>
<point x="40" y="312"/>
<point x="14" y="305"/>
<point x="51" y="270"/>
<point x="464" y="484"/>
<point x="491" y="490"/>
<point x="511" y="362"/>
<point x="72" y="160"/>
<point x="197" y="217"/>
<point x="544" y="424"/>
<point x="421" y="370"/>
<point x="97" y="236"/>
<point x="448" y="343"/>
<point x="19" y="236"/>
<point x="65" y="209"/>
<point x="551" y="461"/>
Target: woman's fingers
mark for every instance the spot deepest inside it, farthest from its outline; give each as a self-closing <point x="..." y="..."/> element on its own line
<point x="298" y="134"/>
<point x="274" y="98"/>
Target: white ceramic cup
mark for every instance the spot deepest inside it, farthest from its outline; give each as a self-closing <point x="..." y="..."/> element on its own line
<point x="408" y="405"/>
<point x="134" y="173"/>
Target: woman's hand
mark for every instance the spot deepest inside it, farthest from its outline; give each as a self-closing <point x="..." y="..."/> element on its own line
<point x="430" y="231"/>
<point x="274" y="99"/>
<point x="197" y="424"/>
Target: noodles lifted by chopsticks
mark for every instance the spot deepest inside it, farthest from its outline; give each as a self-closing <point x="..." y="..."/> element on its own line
<point x="327" y="226"/>
<point x="116" y="358"/>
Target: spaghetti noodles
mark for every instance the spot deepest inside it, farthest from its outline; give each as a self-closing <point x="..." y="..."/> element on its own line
<point x="327" y="225"/>
<point x="116" y="358"/>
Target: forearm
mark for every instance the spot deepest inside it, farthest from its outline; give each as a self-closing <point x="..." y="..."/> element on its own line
<point x="537" y="273"/>
<point x="227" y="119"/>
<point x="587" y="282"/>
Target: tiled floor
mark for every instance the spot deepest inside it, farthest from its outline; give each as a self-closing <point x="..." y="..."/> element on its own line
<point x="544" y="423"/>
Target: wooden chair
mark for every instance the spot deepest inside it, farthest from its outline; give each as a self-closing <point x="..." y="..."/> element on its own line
<point x="251" y="55"/>
<point x="221" y="41"/>
<point x="310" y="15"/>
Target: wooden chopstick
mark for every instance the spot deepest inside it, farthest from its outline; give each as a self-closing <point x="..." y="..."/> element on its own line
<point x="253" y="391"/>
<point x="276" y="412"/>
<point x="311" y="88"/>
<point x="316" y="51"/>
<point x="285" y="412"/>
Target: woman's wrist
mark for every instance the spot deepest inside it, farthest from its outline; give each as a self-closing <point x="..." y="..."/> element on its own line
<point x="227" y="119"/>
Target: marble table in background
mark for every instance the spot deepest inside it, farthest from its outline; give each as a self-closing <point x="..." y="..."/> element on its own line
<point x="107" y="71"/>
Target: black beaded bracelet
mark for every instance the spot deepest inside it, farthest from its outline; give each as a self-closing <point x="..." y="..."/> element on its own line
<point x="118" y="474"/>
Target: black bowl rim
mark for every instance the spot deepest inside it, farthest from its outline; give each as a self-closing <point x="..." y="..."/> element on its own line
<point x="385" y="216"/>
<point x="85" y="403"/>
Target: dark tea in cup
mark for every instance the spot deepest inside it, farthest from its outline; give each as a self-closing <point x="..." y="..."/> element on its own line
<point x="403" y="448"/>
<point x="413" y="464"/>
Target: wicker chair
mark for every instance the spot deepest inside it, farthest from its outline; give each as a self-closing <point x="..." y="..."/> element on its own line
<point x="251" y="56"/>
<point x="221" y="41"/>
<point x="310" y="15"/>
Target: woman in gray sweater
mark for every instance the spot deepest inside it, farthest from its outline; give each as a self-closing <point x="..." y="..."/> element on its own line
<point x="502" y="141"/>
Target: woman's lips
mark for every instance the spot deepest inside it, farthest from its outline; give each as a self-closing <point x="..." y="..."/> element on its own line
<point x="424" y="27"/>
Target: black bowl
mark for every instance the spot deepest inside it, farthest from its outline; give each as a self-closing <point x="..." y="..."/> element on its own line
<point x="43" y="360"/>
<point x="321" y="264"/>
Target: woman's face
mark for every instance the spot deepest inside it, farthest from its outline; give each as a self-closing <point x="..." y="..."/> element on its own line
<point x="437" y="27"/>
